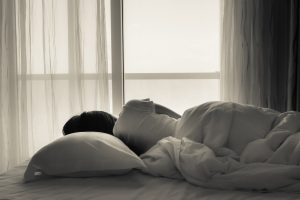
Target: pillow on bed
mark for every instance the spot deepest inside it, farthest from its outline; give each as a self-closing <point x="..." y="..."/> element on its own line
<point x="82" y="154"/>
<point x="139" y="127"/>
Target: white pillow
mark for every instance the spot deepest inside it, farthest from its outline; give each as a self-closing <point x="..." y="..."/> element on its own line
<point x="83" y="154"/>
<point x="139" y="127"/>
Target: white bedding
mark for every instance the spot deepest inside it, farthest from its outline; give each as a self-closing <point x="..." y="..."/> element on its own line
<point x="226" y="145"/>
<point x="131" y="186"/>
<point x="218" y="145"/>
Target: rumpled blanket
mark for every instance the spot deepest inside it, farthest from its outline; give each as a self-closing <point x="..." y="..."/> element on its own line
<point x="231" y="146"/>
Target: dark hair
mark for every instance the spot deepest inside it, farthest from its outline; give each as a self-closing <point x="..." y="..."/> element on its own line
<point x="98" y="121"/>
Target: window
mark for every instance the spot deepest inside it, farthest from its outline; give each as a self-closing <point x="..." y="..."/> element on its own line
<point x="172" y="51"/>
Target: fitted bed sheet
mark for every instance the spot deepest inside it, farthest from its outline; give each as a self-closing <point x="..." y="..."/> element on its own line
<point x="134" y="185"/>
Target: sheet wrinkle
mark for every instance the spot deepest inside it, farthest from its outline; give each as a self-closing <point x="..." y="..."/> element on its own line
<point x="230" y="127"/>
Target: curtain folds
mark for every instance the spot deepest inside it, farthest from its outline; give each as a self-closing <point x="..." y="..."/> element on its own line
<point x="294" y="59"/>
<point x="53" y="60"/>
<point x="259" y="60"/>
<point x="13" y="150"/>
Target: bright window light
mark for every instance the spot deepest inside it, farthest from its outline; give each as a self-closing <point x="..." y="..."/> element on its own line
<point x="172" y="37"/>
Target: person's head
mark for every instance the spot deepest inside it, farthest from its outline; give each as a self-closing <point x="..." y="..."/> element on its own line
<point x="98" y="121"/>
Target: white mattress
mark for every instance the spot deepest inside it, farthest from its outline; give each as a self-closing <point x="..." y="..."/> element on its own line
<point x="134" y="185"/>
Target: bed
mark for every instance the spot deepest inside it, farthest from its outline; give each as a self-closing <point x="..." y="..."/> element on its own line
<point x="219" y="151"/>
<point x="135" y="185"/>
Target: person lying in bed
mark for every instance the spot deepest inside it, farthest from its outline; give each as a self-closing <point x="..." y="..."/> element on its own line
<point x="158" y="121"/>
<point x="220" y="145"/>
<point x="101" y="121"/>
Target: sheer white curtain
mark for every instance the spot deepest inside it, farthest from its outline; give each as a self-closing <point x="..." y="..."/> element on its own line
<point x="53" y="62"/>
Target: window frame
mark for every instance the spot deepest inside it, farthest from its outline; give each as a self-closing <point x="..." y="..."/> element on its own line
<point x="117" y="55"/>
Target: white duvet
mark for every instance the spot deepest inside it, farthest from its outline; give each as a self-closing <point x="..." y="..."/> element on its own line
<point x="231" y="146"/>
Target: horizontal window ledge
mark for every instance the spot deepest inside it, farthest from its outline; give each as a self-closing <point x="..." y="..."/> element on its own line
<point x="127" y="76"/>
<point x="63" y="76"/>
<point x="136" y="76"/>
